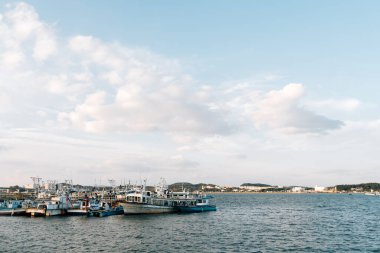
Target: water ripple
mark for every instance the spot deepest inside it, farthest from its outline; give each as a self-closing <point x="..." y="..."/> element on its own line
<point x="243" y="223"/>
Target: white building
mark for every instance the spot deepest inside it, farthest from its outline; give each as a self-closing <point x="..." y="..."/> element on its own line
<point x="29" y="186"/>
<point x="320" y="189"/>
<point x="298" y="189"/>
<point x="254" y="188"/>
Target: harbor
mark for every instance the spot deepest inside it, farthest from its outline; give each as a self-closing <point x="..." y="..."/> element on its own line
<point x="65" y="199"/>
<point x="243" y="222"/>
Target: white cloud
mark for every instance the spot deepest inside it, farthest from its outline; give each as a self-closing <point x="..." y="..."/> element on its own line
<point x="145" y="92"/>
<point x="146" y="114"/>
<point x="5" y="101"/>
<point x="45" y="47"/>
<point x="12" y="58"/>
<point x="281" y="110"/>
<point x="21" y="32"/>
<point x="112" y="77"/>
<point x="94" y="51"/>
<point x="142" y="91"/>
<point x="346" y="105"/>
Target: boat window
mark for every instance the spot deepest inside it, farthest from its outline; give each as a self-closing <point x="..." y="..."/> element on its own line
<point x="144" y="199"/>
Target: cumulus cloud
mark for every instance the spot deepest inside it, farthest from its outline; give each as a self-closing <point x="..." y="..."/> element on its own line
<point x="346" y="105"/>
<point x="281" y="110"/>
<point x="82" y="86"/>
<point x="138" y="111"/>
<point x="106" y="87"/>
<point x="142" y="92"/>
<point x="22" y="32"/>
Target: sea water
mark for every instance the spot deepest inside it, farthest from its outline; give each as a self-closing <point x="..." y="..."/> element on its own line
<point x="243" y="223"/>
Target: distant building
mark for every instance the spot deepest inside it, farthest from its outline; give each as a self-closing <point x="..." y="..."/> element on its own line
<point x="298" y="189"/>
<point x="4" y="190"/>
<point x="211" y="187"/>
<point x="320" y="189"/>
<point x="255" y="187"/>
<point x="29" y="186"/>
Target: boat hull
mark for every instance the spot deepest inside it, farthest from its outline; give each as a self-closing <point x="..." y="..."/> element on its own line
<point x="13" y="212"/>
<point x="35" y="212"/>
<point x="197" y="209"/>
<point x="104" y="213"/>
<point x="134" y="208"/>
<point x="77" y="212"/>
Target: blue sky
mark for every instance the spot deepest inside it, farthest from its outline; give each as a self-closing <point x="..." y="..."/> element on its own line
<point x="331" y="46"/>
<point x="327" y="43"/>
<point x="281" y="92"/>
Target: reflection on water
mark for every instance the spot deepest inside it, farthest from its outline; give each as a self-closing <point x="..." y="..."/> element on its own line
<point x="245" y="223"/>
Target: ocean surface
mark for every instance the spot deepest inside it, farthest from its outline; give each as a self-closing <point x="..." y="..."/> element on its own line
<point x="243" y="223"/>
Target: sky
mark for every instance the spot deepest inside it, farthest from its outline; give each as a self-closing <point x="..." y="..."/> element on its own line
<point x="225" y="92"/>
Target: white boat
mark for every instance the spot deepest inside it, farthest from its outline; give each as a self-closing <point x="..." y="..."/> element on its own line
<point x="145" y="208"/>
<point x="57" y="206"/>
<point x="141" y="201"/>
<point x="372" y="194"/>
<point x="83" y="207"/>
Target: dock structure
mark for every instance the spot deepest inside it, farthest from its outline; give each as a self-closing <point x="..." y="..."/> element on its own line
<point x="61" y="199"/>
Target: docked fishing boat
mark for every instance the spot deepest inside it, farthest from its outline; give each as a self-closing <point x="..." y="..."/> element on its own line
<point x="158" y="206"/>
<point x="105" y="210"/>
<point x="81" y="208"/>
<point x="57" y="206"/>
<point x="201" y="204"/>
<point x="141" y="201"/>
<point x="12" y="207"/>
<point x="372" y="193"/>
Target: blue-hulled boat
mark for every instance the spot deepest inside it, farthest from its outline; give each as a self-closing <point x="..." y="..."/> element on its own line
<point x="12" y="207"/>
<point x="201" y="204"/>
<point x="106" y="210"/>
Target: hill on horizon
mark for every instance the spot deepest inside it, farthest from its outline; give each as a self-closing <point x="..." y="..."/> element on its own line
<point x="256" y="184"/>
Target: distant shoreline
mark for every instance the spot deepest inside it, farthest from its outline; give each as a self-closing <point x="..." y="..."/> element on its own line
<point x="221" y="193"/>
